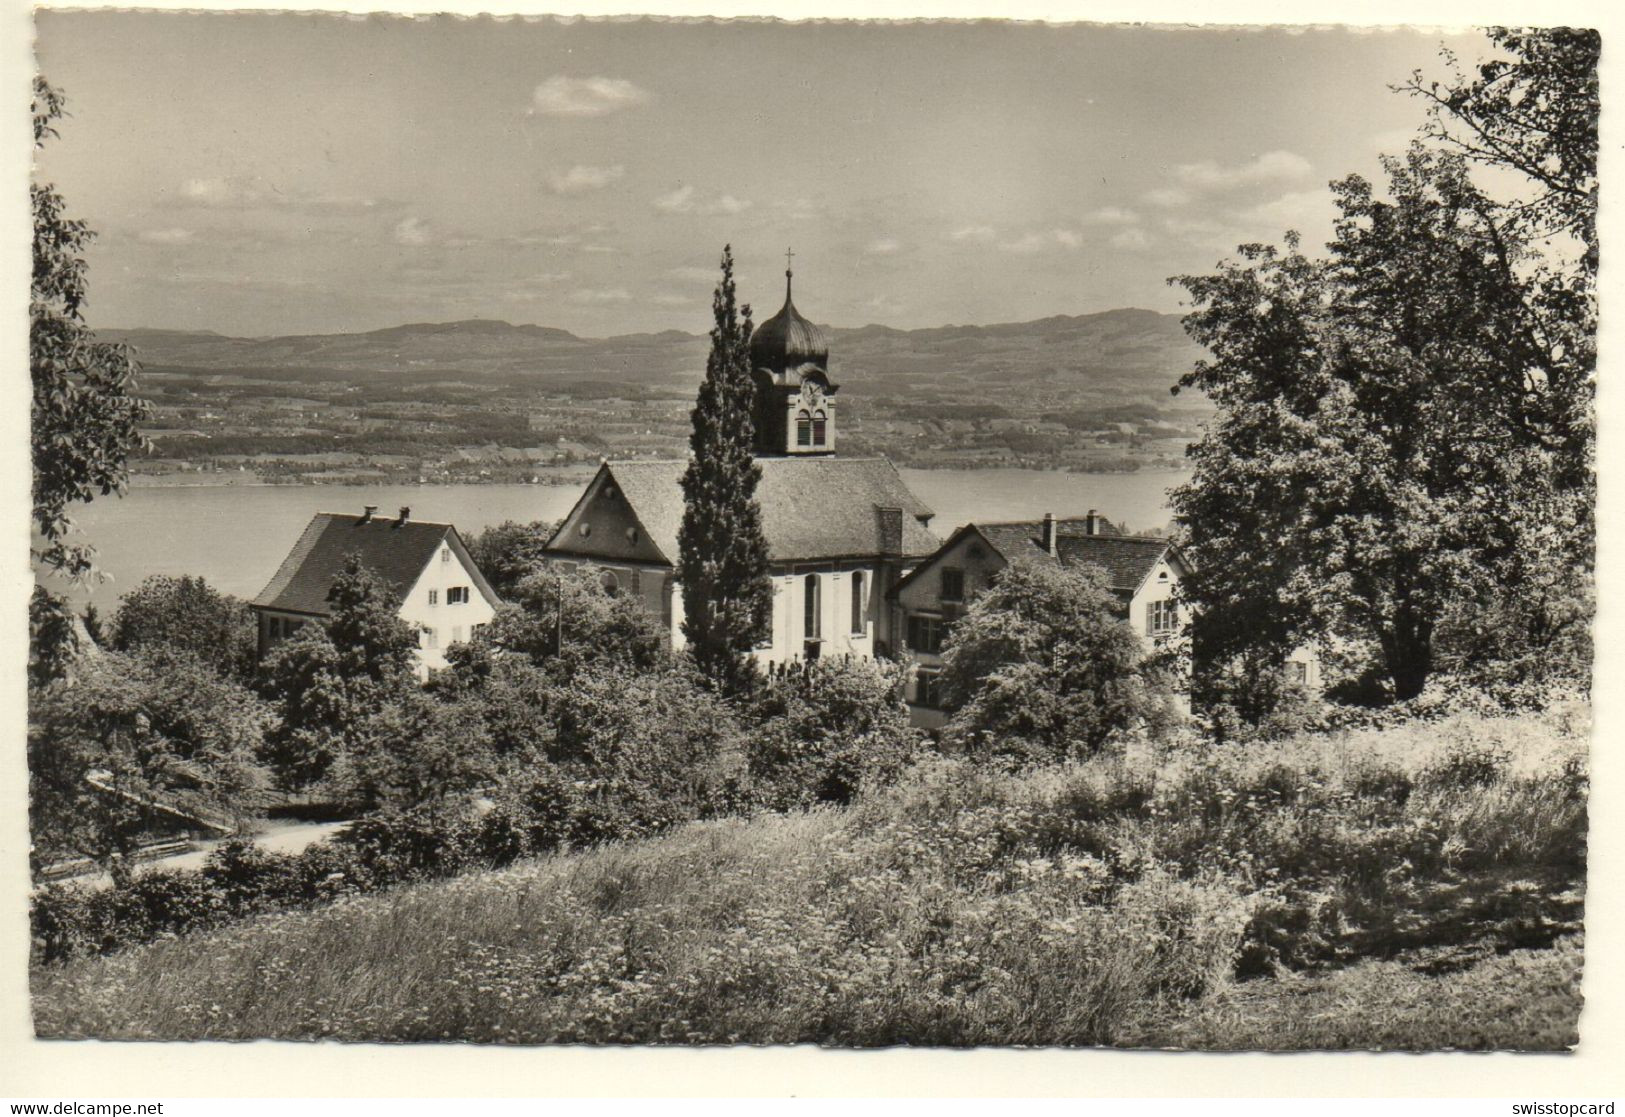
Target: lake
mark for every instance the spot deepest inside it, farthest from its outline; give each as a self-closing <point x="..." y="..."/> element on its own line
<point x="235" y="537"/>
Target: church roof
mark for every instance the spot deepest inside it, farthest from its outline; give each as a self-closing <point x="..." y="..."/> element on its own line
<point x="812" y="508"/>
<point x="397" y="552"/>
<point x="787" y="340"/>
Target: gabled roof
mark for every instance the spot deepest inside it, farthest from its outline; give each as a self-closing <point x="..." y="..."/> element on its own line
<point x="1127" y="559"/>
<point x="396" y="552"/>
<point x="812" y="508"/>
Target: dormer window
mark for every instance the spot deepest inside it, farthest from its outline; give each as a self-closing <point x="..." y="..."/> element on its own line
<point x="803" y="429"/>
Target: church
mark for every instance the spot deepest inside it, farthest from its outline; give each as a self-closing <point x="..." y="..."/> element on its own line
<point x="841" y="532"/>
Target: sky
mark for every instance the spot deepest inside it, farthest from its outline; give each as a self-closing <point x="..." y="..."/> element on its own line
<point x="259" y="174"/>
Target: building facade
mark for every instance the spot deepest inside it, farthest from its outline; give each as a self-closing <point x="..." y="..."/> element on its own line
<point x="1142" y="572"/>
<point x="443" y="595"/>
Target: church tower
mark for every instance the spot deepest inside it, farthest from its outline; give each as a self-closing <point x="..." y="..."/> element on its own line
<point x="795" y="402"/>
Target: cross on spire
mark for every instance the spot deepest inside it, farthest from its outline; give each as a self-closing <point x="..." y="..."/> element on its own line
<point x="788" y="255"/>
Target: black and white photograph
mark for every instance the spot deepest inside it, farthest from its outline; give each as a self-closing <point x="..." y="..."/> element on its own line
<point x="863" y="534"/>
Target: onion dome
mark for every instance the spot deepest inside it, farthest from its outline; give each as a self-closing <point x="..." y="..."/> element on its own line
<point x="788" y="341"/>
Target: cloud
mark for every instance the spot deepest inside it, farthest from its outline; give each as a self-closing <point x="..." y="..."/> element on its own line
<point x="685" y="200"/>
<point x="1272" y="166"/>
<point x="1111" y="215"/>
<point x="580" y="179"/>
<point x="1130" y="240"/>
<point x="800" y="209"/>
<point x="237" y="192"/>
<point x="1168" y="196"/>
<point x="1311" y="212"/>
<point x="594" y="96"/>
<point x="980" y="233"/>
<point x="1031" y="243"/>
<point x="1275" y="168"/>
<point x="1025" y="246"/>
<point x="883" y="246"/>
<point x="697" y="275"/>
<point x="413" y="231"/>
<point x="674" y="300"/>
<point x="591" y="295"/>
<point x="165" y="236"/>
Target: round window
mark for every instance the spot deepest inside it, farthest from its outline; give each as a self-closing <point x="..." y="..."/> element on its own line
<point x="631" y="535"/>
<point x="611" y="583"/>
<point x="586" y="530"/>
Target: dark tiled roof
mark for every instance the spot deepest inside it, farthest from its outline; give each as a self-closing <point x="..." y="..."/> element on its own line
<point x="812" y="508"/>
<point x="1024" y="538"/>
<point x="396" y="552"/>
<point x="1126" y="559"/>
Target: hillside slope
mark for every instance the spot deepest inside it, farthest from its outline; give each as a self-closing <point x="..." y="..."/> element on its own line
<point x="1116" y="355"/>
<point x="1416" y="887"/>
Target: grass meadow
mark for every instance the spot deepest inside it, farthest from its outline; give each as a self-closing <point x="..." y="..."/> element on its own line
<point x="1417" y="887"/>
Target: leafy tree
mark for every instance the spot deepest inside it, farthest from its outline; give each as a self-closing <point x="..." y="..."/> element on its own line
<point x="134" y="735"/>
<point x="722" y="552"/>
<point x="188" y="614"/>
<point x="1044" y="666"/>
<point x="567" y="618"/>
<point x="509" y="552"/>
<point x="1534" y="110"/>
<point x="331" y="681"/>
<point x="1405" y="427"/>
<point x="821" y="732"/>
<point x="415" y="750"/>
<point x="84" y="414"/>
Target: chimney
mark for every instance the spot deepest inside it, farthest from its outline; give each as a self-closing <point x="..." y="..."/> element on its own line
<point x="889" y="522"/>
<point x="1091" y="523"/>
<point x="1048" y="536"/>
<point x="367" y="513"/>
<point x="406" y="514"/>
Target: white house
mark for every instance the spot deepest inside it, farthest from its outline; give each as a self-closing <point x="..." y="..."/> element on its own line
<point x="1141" y="571"/>
<point x="443" y="594"/>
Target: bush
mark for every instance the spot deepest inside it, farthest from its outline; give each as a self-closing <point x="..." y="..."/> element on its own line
<point x="824" y="731"/>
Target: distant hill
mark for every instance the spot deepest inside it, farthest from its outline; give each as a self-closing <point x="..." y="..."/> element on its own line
<point x="1109" y="358"/>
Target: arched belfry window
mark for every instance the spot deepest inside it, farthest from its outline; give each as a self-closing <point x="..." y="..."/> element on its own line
<point x="803" y="429"/>
<point x="810" y="625"/>
<point x="818" y="424"/>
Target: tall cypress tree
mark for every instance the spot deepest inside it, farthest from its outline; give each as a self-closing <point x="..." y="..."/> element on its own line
<point x="722" y="552"/>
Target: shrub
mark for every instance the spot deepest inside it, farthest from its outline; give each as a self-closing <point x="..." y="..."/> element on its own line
<point x="822" y="732"/>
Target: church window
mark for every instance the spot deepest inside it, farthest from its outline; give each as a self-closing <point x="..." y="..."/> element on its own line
<point x="818" y="425"/>
<point x="803" y="429"/>
<point x="859" y="612"/>
<point x="812" y="601"/>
